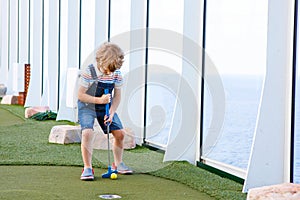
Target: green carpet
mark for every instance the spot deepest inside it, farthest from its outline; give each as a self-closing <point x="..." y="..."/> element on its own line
<point x="7" y="118"/>
<point x="45" y="182"/>
<point x="32" y="168"/>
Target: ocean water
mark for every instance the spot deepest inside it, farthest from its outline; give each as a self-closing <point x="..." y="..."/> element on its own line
<point x="242" y="103"/>
<point x="233" y="144"/>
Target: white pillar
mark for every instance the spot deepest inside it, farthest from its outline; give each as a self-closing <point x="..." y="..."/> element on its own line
<point x="73" y="33"/>
<point x="269" y="161"/>
<point x="45" y="99"/>
<point x="13" y="43"/>
<point x="101" y="21"/>
<point x="24" y="32"/>
<point x="185" y="144"/>
<point x="35" y="84"/>
<point x="4" y="42"/>
<point x="88" y="36"/>
<point x="131" y="108"/>
<point x="71" y="47"/>
<point x="51" y="57"/>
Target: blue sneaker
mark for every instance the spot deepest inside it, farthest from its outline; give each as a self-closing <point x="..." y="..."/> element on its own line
<point x="87" y="174"/>
<point x="123" y="169"/>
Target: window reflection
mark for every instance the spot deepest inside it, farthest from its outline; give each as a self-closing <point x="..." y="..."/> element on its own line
<point x="120" y="24"/>
<point x="160" y="99"/>
<point x="236" y="43"/>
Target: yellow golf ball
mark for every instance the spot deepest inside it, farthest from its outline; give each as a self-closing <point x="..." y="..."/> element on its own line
<point x="113" y="176"/>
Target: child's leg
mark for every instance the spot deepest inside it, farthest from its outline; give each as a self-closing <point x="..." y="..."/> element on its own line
<point x="118" y="145"/>
<point x="87" y="147"/>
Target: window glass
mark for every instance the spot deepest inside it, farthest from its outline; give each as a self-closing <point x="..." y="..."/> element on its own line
<point x="236" y="41"/>
<point x="87" y="32"/>
<point x="163" y="63"/>
<point x="120" y="24"/>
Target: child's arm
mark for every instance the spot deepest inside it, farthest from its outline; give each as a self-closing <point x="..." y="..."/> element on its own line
<point x="84" y="97"/>
<point x="116" y="101"/>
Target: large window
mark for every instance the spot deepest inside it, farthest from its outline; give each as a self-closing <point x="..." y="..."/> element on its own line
<point x="87" y="32"/>
<point x="120" y="25"/>
<point x="236" y="39"/>
<point x="162" y="64"/>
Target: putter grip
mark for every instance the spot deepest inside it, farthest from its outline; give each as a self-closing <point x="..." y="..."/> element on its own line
<point x="106" y="91"/>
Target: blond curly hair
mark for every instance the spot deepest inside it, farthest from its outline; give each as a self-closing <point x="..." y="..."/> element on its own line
<point x="110" y="56"/>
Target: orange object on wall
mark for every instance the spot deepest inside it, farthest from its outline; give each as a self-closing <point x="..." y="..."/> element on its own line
<point x="22" y="95"/>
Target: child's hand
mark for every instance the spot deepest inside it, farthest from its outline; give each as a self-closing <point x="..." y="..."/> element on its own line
<point x="107" y="120"/>
<point x="105" y="98"/>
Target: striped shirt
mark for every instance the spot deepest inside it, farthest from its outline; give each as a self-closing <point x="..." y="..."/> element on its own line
<point x="86" y="78"/>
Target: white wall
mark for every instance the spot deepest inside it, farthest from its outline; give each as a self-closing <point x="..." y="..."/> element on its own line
<point x="4" y="42"/>
<point x="36" y="56"/>
<point x="269" y="162"/>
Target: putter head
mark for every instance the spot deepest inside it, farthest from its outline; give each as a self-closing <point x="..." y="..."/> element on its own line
<point x="109" y="172"/>
<point x="106" y="175"/>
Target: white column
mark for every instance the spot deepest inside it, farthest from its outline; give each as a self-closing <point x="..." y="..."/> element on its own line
<point x="63" y="56"/>
<point x="13" y="43"/>
<point x="24" y="32"/>
<point x="70" y="52"/>
<point x="137" y="38"/>
<point x="53" y="61"/>
<point x="185" y="144"/>
<point x="269" y="161"/>
<point x="51" y="49"/>
<point x="133" y="43"/>
<point x="4" y="42"/>
<point x="101" y="21"/>
<point x="137" y="62"/>
<point x="24" y="45"/>
<point x="88" y="35"/>
<point x="63" y="45"/>
<point x="73" y="33"/>
<point x="45" y="99"/>
<point x="35" y="85"/>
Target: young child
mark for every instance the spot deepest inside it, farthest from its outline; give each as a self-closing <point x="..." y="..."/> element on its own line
<point x="109" y="59"/>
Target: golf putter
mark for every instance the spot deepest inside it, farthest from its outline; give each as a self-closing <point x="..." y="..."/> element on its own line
<point x="109" y="170"/>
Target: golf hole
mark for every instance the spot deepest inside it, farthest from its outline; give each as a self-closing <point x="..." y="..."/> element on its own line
<point x="110" y="196"/>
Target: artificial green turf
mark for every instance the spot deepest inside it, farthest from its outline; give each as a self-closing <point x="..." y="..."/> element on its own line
<point x="14" y="119"/>
<point x="202" y="180"/>
<point x="26" y="143"/>
<point x="55" y="182"/>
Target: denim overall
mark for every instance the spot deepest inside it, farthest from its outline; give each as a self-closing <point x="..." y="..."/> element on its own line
<point x="87" y="112"/>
